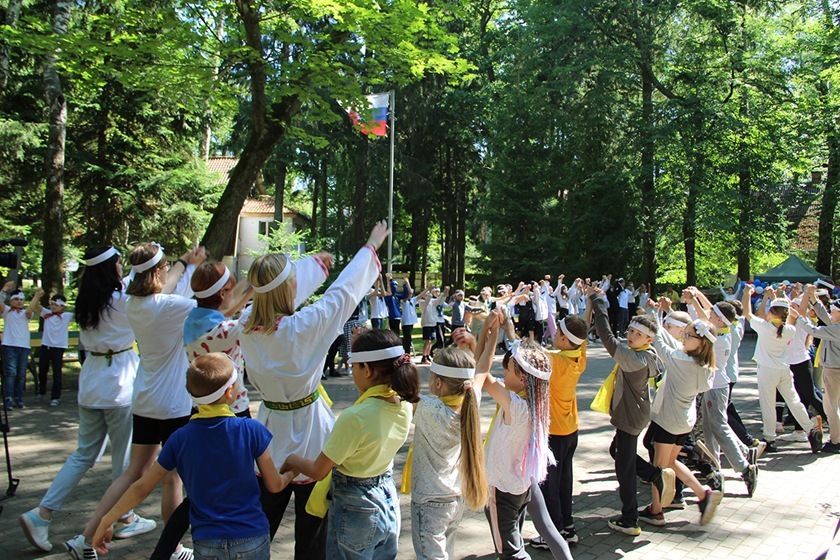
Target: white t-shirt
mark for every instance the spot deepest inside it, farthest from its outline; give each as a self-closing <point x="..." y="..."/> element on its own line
<point x="771" y="351"/>
<point x="624" y="298"/>
<point x="104" y="385"/>
<point x="409" y="312"/>
<point x="437" y="447"/>
<point x="16" y="328"/>
<point x="56" y="328"/>
<point x="797" y="352"/>
<point x="160" y="390"/>
<point x="378" y="309"/>
<point x="507" y="448"/>
<point x="723" y="347"/>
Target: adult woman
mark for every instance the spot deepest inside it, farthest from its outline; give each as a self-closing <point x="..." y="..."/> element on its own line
<point x="285" y="351"/>
<point x="105" y="389"/>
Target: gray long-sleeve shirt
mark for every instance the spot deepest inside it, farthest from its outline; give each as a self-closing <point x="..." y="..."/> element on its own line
<point x="829" y="334"/>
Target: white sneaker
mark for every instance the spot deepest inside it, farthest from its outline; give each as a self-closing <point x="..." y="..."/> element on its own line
<point x="183" y="553"/>
<point x="78" y="549"/>
<point x="139" y="526"/>
<point x="794" y="436"/>
<point x="780" y="428"/>
<point x="36" y="529"/>
<point x="54" y="402"/>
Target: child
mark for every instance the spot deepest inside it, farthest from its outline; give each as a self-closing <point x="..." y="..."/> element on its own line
<point x="517" y="452"/>
<point x="719" y="436"/>
<point x="630" y="406"/>
<point x="774" y="334"/>
<point x="568" y="363"/>
<point x="285" y="350"/>
<point x="16" y="343"/>
<point x="447" y="465"/>
<point x="408" y="310"/>
<point x="689" y="371"/>
<point x="53" y="344"/>
<point x="829" y="356"/>
<point x="733" y="371"/>
<point x="360" y="451"/>
<point x="225" y="512"/>
<point x="429" y="301"/>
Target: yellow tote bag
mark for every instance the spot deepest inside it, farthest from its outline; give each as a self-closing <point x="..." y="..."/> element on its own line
<point x="603" y="400"/>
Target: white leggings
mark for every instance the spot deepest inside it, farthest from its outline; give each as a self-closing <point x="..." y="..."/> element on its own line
<point x="770" y="380"/>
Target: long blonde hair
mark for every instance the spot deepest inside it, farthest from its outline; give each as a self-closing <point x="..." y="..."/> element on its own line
<point x="279" y="302"/>
<point x="471" y="461"/>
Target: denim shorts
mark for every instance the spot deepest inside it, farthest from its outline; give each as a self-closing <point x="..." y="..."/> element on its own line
<point x="433" y="528"/>
<point x="253" y="548"/>
<point x="364" y="517"/>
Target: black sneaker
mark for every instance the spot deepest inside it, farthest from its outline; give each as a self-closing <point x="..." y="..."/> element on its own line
<point x="815" y="438"/>
<point x="770" y="447"/>
<point x="569" y="535"/>
<point x="657" y="519"/>
<point x="750" y="476"/>
<point x="708" y="505"/>
<point x="755" y="452"/>
<point x="539" y="543"/>
<point x="715" y="480"/>
<point x="664" y="483"/>
<point x="829" y="447"/>
<point x="620" y="525"/>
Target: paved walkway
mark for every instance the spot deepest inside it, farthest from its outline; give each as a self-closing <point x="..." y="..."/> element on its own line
<point x="791" y="516"/>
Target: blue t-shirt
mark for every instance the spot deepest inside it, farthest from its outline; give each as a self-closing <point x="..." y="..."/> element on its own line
<point x="215" y="459"/>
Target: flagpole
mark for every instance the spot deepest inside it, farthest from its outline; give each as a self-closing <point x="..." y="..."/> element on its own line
<point x="393" y="98"/>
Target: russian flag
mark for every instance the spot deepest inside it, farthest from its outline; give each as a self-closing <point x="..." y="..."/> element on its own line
<point x="377" y="125"/>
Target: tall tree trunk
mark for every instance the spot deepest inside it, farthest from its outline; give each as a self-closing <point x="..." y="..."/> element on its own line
<point x="322" y="179"/>
<point x="745" y="218"/>
<point x="12" y="15"/>
<point x="52" y="261"/>
<point x="280" y="191"/>
<point x="316" y="192"/>
<point x="825" y="245"/>
<point x="647" y="185"/>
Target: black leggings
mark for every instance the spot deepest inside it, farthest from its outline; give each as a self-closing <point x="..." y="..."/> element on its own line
<point x="735" y="422"/>
<point x="54" y="357"/>
<point x="407" y="331"/>
<point x="803" y="382"/>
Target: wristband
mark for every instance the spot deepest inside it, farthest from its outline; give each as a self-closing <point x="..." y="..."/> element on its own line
<point x="183" y="262"/>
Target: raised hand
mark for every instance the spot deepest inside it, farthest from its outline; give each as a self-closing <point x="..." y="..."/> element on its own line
<point x="378" y="234"/>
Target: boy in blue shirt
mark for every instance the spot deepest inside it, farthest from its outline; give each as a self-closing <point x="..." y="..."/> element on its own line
<point x="214" y="454"/>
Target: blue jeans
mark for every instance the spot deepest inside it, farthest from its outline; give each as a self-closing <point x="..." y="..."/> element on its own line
<point x="94" y="425"/>
<point x="364" y="517"/>
<point x="253" y="548"/>
<point x="433" y="528"/>
<point x="14" y="374"/>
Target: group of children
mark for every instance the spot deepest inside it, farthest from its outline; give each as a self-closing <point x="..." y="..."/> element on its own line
<point x="185" y="410"/>
<point x="17" y="345"/>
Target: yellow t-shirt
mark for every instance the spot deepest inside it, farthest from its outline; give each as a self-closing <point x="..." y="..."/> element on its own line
<point x="366" y="437"/>
<point x="565" y="372"/>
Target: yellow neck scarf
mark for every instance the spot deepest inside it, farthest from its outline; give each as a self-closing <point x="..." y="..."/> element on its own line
<point x="724" y="330"/>
<point x="212" y="411"/>
<point x="405" y="485"/>
<point x="776" y="321"/>
<point x="576" y="353"/>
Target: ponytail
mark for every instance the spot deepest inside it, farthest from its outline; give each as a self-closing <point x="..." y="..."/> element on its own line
<point x="405" y="380"/>
<point x="781" y="313"/>
<point x="471" y="465"/>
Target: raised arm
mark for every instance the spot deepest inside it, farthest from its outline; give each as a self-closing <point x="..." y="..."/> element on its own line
<point x="746" y="303"/>
<point x="35" y="304"/>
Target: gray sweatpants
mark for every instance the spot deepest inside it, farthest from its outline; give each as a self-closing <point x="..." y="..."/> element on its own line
<point x="719" y="436"/>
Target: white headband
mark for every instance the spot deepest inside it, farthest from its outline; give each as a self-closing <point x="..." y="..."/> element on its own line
<point x="525" y="365"/>
<point x="780" y="303"/>
<point x="17" y="296"/>
<point x="220" y="283"/>
<point x="58" y="301"/>
<point x="213" y="397"/>
<point x="641" y="328"/>
<point x="719" y="313"/>
<point x="144" y="266"/>
<point x="703" y="330"/>
<point x="287" y="270"/>
<point x="102" y="257"/>
<point x="572" y="338"/>
<point x="453" y="372"/>
<point x="821" y="282"/>
<point x="821" y="293"/>
<point x="376" y="355"/>
<point x="676" y="322"/>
